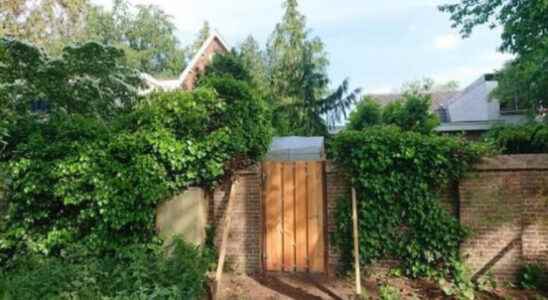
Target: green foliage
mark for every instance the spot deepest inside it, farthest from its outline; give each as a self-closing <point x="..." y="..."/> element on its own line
<point x="533" y="277"/>
<point x="201" y="37"/>
<point x="298" y="83"/>
<point x="254" y="60"/>
<point x="77" y="179"/>
<point x="231" y="64"/>
<point x="410" y="113"/>
<point x="91" y="80"/>
<point x="387" y="292"/>
<point x="525" y="33"/>
<point x="522" y="83"/>
<point x="50" y="25"/>
<point x="366" y="114"/>
<point x="525" y="23"/>
<point x="92" y="171"/>
<point x="145" y="32"/>
<point x="461" y="286"/>
<point x="133" y="272"/>
<point x="516" y="139"/>
<point x="397" y="176"/>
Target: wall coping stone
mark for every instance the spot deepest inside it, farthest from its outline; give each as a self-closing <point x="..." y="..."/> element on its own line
<point x="515" y="162"/>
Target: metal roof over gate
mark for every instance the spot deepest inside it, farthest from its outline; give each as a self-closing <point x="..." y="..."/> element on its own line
<point x="296" y="148"/>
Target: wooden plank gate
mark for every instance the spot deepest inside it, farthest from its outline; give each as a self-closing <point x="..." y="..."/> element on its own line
<point x="294" y="216"/>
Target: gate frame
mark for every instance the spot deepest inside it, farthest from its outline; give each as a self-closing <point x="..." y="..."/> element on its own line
<point x="325" y="216"/>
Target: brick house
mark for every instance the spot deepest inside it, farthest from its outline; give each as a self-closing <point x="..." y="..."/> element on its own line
<point x="186" y="81"/>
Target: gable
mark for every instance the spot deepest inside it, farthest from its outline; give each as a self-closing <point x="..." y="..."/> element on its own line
<point x="187" y="80"/>
<point x="214" y="45"/>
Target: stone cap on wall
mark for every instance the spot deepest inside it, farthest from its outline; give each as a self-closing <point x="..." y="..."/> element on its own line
<point x="513" y="162"/>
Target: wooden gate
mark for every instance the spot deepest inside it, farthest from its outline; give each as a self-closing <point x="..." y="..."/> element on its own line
<point x="294" y="214"/>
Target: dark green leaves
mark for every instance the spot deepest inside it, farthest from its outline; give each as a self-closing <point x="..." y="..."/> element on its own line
<point x="398" y="177"/>
<point x="525" y="34"/>
<point x="90" y="80"/>
<point x="76" y="178"/>
<point x="516" y="139"/>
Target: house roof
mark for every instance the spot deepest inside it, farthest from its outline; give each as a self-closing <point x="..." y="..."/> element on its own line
<point x="438" y="98"/>
<point x="173" y="84"/>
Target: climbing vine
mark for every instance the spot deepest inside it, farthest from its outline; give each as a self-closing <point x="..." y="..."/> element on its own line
<point x="398" y="176"/>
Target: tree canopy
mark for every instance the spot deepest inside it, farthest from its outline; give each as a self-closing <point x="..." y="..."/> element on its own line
<point x="525" y="34"/>
<point x="298" y="84"/>
<point x="50" y="24"/>
<point x="90" y="79"/>
<point x="409" y="113"/>
<point x="145" y="32"/>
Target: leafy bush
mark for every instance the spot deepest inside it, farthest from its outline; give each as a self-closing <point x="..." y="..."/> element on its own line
<point x="387" y="292"/>
<point x="135" y="272"/>
<point x="397" y="176"/>
<point x="75" y="178"/>
<point x="533" y="277"/>
<point x="90" y="79"/>
<point x="410" y="113"/>
<point x="515" y="139"/>
<point x="367" y="113"/>
<point x="92" y="169"/>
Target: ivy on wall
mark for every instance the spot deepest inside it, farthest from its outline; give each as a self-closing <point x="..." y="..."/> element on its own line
<point x="398" y="176"/>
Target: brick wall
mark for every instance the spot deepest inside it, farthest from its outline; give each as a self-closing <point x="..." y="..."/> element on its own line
<point x="504" y="202"/>
<point x="246" y="231"/>
<point x="336" y="188"/>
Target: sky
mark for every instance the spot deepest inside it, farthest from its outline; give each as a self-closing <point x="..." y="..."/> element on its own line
<point x="378" y="45"/>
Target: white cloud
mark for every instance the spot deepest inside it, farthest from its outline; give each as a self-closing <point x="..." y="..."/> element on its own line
<point x="447" y="41"/>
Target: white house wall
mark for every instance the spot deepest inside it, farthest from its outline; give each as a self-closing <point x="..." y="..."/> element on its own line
<point x="474" y="105"/>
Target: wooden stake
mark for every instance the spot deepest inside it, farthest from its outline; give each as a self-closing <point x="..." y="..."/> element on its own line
<point x="356" y="243"/>
<point x="226" y="230"/>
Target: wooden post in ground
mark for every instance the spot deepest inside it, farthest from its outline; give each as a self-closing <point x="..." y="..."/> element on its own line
<point x="356" y="243"/>
<point x="226" y="230"/>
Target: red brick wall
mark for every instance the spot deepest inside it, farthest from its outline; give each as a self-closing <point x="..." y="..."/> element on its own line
<point x="214" y="47"/>
<point x="336" y="188"/>
<point x="246" y="231"/>
<point x="504" y="202"/>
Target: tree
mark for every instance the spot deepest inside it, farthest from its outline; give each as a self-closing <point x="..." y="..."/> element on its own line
<point x="367" y="113"/>
<point x="254" y="60"/>
<point x="201" y="37"/>
<point x="145" y="32"/>
<point x="525" y="34"/>
<point x="410" y="113"/>
<point x="49" y="24"/>
<point x="229" y="64"/>
<point x="298" y="81"/>
<point x="91" y="80"/>
<point x="316" y="109"/>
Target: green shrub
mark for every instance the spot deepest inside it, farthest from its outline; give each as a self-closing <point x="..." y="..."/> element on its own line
<point x="397" y="176"/>
<point x="516" y="139"/>
<point x="387" y="292"/>
<point x="92" y="169"/>
<point x="533" y="277"/>
<point x="410" y="113"/>
<point x="366" y="114"/>
<point x="134" y="272"/>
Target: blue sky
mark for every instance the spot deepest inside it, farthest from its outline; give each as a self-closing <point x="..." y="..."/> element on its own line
<point x="379" y="45"/>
